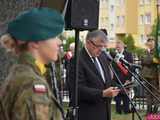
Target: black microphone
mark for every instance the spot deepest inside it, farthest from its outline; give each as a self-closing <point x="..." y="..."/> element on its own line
<point x="108" y="55"/>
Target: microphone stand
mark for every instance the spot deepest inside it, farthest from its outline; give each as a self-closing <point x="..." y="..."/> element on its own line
<point x="152" y="86"/>
<point x="142" y="84"/>
<point x="133" y="106"/>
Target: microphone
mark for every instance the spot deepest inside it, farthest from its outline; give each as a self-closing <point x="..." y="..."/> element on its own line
<point x="120" y="57"/>
<point x="122" y="68"/>
<point x="107" y="54"/>
<point x="118" y="63"/>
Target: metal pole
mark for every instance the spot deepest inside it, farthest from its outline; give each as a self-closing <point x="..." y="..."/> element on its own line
<point x="75" y="107"/>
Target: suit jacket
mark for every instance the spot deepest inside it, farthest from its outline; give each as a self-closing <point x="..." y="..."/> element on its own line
<point x="92" y="106"/>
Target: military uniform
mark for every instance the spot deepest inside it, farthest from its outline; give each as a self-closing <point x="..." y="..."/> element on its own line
<point x="26" y="94"/>
<point x="150" y="73"/>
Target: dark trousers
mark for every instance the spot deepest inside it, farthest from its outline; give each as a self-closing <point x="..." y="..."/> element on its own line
<point x="122" y="106"/>
<point x="152" y="103"/>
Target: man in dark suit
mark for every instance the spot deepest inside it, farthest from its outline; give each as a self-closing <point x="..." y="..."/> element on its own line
<point x="94" y="78"/>
<point x="124" y="78"/>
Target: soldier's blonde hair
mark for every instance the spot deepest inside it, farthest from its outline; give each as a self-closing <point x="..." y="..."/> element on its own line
<point x="8" y="42"/>
<point x="12" y="45"/>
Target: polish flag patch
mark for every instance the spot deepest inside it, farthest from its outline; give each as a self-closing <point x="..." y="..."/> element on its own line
<point x="39" y="88"/>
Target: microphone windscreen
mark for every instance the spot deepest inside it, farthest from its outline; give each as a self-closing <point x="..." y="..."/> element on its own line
<point x="122" y="69"/>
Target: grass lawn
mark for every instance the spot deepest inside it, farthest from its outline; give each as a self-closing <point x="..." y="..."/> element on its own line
<point x="125" y="116"/>
<point x="120" y="116"/>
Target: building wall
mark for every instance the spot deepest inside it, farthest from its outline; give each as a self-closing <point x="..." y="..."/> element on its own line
<point x="126" y="15"/>
<point x="123" y="17"/>
<point x="103" y="14"/>
<point x="147" y="14"/>
<point x="112" y="19"/>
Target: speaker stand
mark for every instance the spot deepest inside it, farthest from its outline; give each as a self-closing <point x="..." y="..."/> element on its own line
<point x="75" y="107"/>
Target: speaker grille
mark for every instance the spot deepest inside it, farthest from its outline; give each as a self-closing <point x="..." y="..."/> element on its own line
<point x="84" y="14"/>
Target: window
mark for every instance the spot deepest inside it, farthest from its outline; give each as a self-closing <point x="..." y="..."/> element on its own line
<point x="122" y="20"/>
<point x="141" y="2"/>
<point x="111" y="38"/>
<point x="112" y="27"/>
<point x="106" y="19"/>
<point x="118" y="20"/>
<point x="147" y="2"/>
<point x="148" y="18"/>
<point x="106" y="1"/>
<point x="143" y="38"/>
<point x="118" y="3"/>
<point x="122" y="2"/>
<point x="112" y="8"/>
<point x="141" y="19"/>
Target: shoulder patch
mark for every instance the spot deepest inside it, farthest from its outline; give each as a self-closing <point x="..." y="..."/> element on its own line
<point x="40" y="88"/>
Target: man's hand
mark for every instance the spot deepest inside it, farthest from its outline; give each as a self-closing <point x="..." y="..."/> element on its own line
<point x="127" y="82"/>
<point x="111" y="92"/>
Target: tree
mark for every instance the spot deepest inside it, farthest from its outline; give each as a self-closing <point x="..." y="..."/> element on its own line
<point x="129" y="41"/>
<point x="69" y="41"/>
<point x="154" y="29"/>
<point x="156" y="33"/>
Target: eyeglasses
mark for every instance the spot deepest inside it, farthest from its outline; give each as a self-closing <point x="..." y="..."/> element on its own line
<point x="98" y="46"/>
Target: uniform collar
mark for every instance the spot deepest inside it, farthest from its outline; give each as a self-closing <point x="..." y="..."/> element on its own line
<point x="27" y="58"/>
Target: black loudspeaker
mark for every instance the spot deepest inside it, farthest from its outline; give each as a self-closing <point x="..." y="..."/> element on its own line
<point x="82" y="14"/>
<point x="79" y="14"/>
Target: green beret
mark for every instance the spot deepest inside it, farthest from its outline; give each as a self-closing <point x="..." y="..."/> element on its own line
<point x="36" y="24"/>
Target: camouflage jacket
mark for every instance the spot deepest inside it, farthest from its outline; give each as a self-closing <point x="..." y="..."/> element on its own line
<point x="26" y="94"/>
<point x="149" y="68"/>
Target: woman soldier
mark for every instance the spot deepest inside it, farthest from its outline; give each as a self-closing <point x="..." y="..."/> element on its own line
<point x="32" y="36"/>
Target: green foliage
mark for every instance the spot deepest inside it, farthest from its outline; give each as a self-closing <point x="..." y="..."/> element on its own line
<point x="139" y="51"/>
<point x="111" y="49"/>
<point x="154" y="33"/>
<point x="154" y="28"/>
<point x="69" y="41"/>
<point x="129" y="41"/>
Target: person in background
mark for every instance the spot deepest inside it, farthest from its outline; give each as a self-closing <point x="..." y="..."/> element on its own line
<point x="26" y="95"/>
<point x="70" y="79"/>
<point x="150" y="73"/>
<point x="69" y="54"/>
<point x="122" y="101"/>
<point x="94" y="90"/>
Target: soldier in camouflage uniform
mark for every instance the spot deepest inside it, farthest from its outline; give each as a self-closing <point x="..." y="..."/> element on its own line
<point x="26" y="95"/>
<point x="150" y="73"/>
